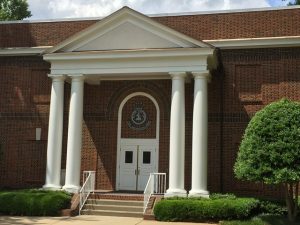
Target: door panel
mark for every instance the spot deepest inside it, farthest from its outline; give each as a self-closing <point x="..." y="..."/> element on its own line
<point x="128" y="166"/>
<point x="146" y="165"/>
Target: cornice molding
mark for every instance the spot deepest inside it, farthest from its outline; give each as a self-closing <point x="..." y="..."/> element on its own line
<point x="23" y="51"/>
<point x="241" y="43"/>
<point x="265" y="42"/>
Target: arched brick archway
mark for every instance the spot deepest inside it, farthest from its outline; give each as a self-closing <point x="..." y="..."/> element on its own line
<point x="138" y="141"/>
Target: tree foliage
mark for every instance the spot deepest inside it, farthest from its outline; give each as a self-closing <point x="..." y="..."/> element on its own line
<point x="14" y="9"/>
<point x="295" y="2"/>
<point x="270" y="150"/>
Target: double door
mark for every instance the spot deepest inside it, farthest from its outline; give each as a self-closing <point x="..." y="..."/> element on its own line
<point x="136" y="162"/>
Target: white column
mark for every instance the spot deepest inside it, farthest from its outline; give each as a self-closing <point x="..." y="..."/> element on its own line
<point x="199" y="145"/>
<point x="72" y="182"/>
<point x="55" y="132"/>
<point x="177" y="137"/>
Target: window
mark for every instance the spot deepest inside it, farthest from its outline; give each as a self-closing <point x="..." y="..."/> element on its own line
<point x="128" y="156"/>
<point x="146" y="157"/>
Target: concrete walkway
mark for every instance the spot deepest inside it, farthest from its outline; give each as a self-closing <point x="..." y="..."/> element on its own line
<point x="83" y="220"/>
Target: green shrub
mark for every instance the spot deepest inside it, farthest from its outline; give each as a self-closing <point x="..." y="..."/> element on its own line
<point x="33" y="202"/>
<point x="222" y="196"/>
<point x="205" y="209"/>
<point x="272" y="207"/>
<point x="263" y="220"/>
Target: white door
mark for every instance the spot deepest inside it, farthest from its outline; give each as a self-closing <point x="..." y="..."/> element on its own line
<point x="136" y="164"/>
<point x="146" y="162"/>
<point x="128" y="167"/>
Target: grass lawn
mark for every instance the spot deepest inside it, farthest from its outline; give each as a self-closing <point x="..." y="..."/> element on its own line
<point x="263" y="220"/>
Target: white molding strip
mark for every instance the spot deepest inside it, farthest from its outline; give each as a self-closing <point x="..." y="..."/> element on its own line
<point x="126" y="54"/>
<point x="23" y="51"/>
<point x="266" y="42"/>
<point x="226" y="11"/>
<point x="245" y="43"/>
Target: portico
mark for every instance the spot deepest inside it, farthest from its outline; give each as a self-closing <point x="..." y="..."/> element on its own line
<point x="129" y="46"/>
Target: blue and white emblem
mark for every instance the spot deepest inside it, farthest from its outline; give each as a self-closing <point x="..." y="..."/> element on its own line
<point x="138" y="119"/>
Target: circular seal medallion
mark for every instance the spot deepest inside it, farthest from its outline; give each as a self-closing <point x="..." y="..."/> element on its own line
<point x="138" y="116"/>
<point x="138" y="119"/>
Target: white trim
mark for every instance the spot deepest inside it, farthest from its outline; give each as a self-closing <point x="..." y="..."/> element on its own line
<point x="119" y="137"/>
<point x="226" y="11"/>
<point x="23" y="51"/>
<point x="265" y="42"/>
<point x="124" y="54"/>
<point x="208" y="12"/>
<point x="239" y="43"/>
<point x="128" y="64"/>
<point x="133" y="141"/>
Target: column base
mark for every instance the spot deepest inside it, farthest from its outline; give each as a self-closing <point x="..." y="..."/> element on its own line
<point x="52" y="187"/>
<point x="71" y="188"/>
<point x="198" y="193"/>
<point x="175" y="193"/>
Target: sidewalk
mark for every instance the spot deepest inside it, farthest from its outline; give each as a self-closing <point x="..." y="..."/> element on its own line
<point x="83" y="220"/>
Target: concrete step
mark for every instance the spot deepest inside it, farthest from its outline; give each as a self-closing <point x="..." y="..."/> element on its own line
<point x="109" y="207"/>
<point x="111" y="213"/>
<point x="126" y="208"/>
<point x="114" y="202"/>
<point x="118" y="196"/>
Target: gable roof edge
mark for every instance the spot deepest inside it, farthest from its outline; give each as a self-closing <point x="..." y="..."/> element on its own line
<point x="123" y="11"/>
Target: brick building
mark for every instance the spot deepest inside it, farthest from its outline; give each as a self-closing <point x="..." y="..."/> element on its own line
<point x="131" y="94"/>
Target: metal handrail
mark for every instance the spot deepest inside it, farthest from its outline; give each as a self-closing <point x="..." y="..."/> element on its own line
<point x="87" y="187"/>
<point x="156" y="185"/>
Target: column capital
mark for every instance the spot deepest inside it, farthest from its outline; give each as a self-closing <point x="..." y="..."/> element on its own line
<point x="178" y="75"/>
<point x="57" y="77"/>
<point x="201" y="74"/>
<point x="77" y="77"/>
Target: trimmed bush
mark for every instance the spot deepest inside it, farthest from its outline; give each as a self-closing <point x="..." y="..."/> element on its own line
<point x="222" y="196"/>
<point x="263" y="220"/>
<point x="272" y="207"/>
<point x="33" y="202"/>
<point x="201" y="209"/>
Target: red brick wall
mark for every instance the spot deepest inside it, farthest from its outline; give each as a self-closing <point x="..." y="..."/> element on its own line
<point x="236" y="25"/>
<point x="252" y="78"/>
<point x="202" y="27"/>
<point x="24" y="103"/>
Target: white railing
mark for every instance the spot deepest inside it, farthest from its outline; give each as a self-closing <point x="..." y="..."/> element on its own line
<point x="87" y="187"/>
<point x="156" y="185"/>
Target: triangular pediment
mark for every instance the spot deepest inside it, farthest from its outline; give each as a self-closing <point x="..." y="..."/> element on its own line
<point x="126" y="29"/>
<point x="128" y="35"/>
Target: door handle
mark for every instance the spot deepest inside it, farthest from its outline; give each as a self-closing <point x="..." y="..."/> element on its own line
<point x="135" y="172"/>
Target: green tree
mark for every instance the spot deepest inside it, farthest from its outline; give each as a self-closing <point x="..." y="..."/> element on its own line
<point x="270" y="150"/>
<point x="14" y="9"/>
<point x="295" y="2"/>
